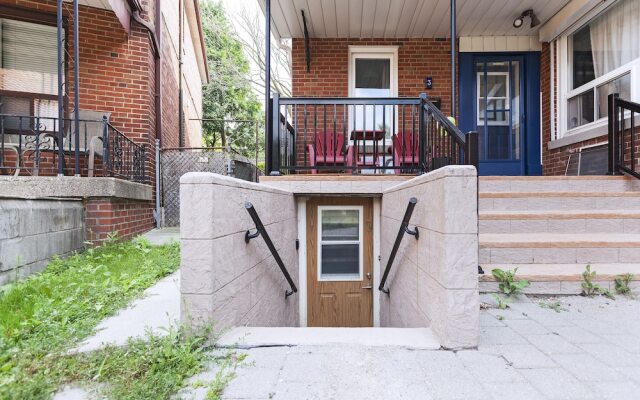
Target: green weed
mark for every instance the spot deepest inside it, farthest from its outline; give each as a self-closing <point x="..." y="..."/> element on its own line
<point x="590" y="287"/>
<point x="501" y="303"/>
<point x="507" y="281"/>
<point x="622" y="284"/>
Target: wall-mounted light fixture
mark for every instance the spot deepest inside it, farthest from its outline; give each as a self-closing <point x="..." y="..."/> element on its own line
<point x="518" y="22"/>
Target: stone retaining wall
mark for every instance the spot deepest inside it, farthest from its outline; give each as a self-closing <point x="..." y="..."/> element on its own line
<point x="32" y="231"/>
<point x="433" y="281"/>
<point x="225" y="281"/>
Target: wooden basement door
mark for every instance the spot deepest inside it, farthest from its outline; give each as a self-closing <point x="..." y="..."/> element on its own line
<point x="339" y="262"/>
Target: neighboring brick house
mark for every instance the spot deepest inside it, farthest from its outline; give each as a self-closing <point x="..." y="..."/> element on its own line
<point x="117" y="60"/>
<point x="129" y="86"/>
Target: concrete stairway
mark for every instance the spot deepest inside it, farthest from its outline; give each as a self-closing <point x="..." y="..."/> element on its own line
<point x="552" y="227"/>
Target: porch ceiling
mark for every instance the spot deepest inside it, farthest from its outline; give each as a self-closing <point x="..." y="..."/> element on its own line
<point x="405" y="18"/>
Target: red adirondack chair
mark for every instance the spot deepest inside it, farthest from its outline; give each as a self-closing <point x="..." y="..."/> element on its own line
<point x="406" y="149"/>
<point x="332" y="154"/>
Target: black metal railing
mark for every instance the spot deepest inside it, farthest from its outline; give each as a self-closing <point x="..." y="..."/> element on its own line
<point x="261" y="231"/>
<point x="363" y="135"/>
<point x="404" y="228"/>
<point x="37" y="146"/>
<point x="624" y="136"/>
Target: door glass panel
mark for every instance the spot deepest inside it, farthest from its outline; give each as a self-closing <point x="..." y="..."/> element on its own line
<point x="340" y="261"/>
<point x="372" y="79"/>
<point x="340" y="224"/>
<point x="340" y="243"/>
<point x="498" y="120"/>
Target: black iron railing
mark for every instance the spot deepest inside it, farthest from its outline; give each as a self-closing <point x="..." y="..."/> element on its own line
<point x="624" y="136"/>
<point x="363" y="135"/>
<point x="37" y="146"/>
<point x="261" y="231"/>
<point x="404" y="228"/>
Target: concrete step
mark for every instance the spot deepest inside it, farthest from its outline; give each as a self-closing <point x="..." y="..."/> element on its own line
<point x="569" y="221"/>
<point x="558" y="183"/>
<point x="558" y="201"/>
<point x="556" y="279"/>
<point x="512" y="249"/>
<point x="248" y="337"/>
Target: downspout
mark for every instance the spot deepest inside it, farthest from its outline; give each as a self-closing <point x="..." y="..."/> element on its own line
<point x="267" y="87"/>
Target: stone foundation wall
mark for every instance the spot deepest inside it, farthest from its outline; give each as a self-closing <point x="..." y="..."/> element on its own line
<point x="33" y="231"/>
<point x="433" y="281"/>
<point x="225" y="281"/>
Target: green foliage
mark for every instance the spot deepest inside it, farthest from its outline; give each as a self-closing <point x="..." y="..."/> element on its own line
<point x="553" y="305"/>
<point x="44" y="315"/>
<point x="507" y="282"/>
<point x="226" y="372"/>
<point x="590" y="287"/>
<point x="229" y="94"/>
<point x="501" y="303"/>
<point x="153" y="367"/>
<point x="622" y="284"/>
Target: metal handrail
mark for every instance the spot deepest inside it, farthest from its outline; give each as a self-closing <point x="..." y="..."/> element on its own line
<point x="619" y="111"/>
<point x="261" y="231"/>
<point x="403" y="229"/>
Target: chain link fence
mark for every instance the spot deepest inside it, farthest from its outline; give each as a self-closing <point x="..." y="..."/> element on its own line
<point x="176" y="162"/>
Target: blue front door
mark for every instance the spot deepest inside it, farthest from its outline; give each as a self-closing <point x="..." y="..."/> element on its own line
<point x="496" y="94"/>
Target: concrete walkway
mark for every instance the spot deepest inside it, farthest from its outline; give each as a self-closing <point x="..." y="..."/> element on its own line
<point x="162" y="236"/>
<point x="590" y="349"/>
<point x="156" y="310"/>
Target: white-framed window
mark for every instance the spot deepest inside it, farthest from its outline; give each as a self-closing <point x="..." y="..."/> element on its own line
<point x="598" y="57"/>
<point x="497" y="101"/>
<point x="373" y="72"/>
<point x="340" y="247"/>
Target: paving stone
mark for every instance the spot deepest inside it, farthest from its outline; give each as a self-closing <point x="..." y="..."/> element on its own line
<point x="553" y="344"/>
<point x="612" y="355"/>
<point x="520" y="391"/>
<point x="487" y="319"/>
<point x="587" y="368"/>
<point x="628" y="342"/>
<point x="556" y="383"/>
<point x="491" y="335"/>
<point x="527" y="327"/>
<point x="576" y="335"/>
<point x="252" y="382"/>
<point x="616" y="390"/>
<point x="489" y="367"/>
<point x="523" y="356"/>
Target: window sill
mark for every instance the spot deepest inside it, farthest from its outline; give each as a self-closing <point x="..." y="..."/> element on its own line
<point x="592" y="132"/>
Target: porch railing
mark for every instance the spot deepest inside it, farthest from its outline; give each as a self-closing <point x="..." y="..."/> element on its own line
<point x="37" y="146"/>
<point x="363" y="135"/>
<point x="624" y="136"/>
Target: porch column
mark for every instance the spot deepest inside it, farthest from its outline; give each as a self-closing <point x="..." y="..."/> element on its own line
<point x="76" y="85"/>
<point x="60" y="89"/>
<point x="453" y="59"/>
<point x="267" y="84"/>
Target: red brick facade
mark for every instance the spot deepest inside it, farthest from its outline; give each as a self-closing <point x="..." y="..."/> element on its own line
<point x="329" y="76"/>
<point x="126" y="218"/>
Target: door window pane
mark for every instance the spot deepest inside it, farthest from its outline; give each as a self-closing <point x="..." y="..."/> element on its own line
<point x="340" y="225"/>
<point x="372" y="79"/>
<point x="342" y="260"/>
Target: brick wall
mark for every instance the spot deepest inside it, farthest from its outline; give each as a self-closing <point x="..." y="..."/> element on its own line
<point x="127" y="218"/>
<point x="329" y="76"/>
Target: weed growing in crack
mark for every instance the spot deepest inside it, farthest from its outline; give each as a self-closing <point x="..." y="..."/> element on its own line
<point x="507" y="281"/>
<point x="590" y="288"/>
<point x="622" y="284"/>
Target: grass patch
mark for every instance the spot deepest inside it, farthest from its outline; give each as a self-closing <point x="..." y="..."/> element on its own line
<point x="46" y="314"/>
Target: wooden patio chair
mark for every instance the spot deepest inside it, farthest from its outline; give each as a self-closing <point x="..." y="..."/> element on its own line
<point x="329" y="150"/>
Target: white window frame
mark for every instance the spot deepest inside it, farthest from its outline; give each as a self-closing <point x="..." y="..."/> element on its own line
<point x="507" y="99"/>
<point x="599" y="126"/>
<point x="359" y="242"/>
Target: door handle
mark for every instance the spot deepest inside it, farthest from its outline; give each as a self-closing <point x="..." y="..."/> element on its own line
<point x="367" y="287"/>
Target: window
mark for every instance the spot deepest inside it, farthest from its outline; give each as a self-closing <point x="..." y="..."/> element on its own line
<point x="340" y="243"/>
<point x="497" y="96"/>
<point x="372" y="73"/>
<point x="603" y="57"/>
<point x="28" y="69"/>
